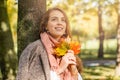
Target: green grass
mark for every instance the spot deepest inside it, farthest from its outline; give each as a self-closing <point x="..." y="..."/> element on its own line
<point x="89" y="51"/>
<point x="99" y="73"/>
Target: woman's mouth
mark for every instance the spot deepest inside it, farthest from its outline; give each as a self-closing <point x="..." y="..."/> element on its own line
<point x="58" y="28"/>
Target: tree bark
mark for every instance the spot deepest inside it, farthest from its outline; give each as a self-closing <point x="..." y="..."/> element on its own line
<point x="101" y="33"/>
<point x="117" y="70"/>
<point x="29" y="14"/>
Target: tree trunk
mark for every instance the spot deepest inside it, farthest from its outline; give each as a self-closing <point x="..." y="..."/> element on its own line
<point x="117" y="70"/>
<point x="29" y="13"/>
<point x="101" y="33"/>
<point x="6" y="41"/>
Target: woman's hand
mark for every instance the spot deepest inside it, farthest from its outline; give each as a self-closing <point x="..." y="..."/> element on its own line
<point x="67" y="59"/>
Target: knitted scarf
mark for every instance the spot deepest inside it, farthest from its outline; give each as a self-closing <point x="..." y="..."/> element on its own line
<point x="49" y="42"/>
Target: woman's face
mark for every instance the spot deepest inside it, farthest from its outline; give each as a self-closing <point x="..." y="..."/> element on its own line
<point x="56" y="24"/>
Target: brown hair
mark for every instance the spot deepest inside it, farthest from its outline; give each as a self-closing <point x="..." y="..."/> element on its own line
<point x="79" y="64"/>
<point x="45" y="18"/>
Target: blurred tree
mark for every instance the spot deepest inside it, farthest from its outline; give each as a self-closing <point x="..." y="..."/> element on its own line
<point x="117" y="70"/>
<point x="6" y="43"/>
<point x="12" y="8"/>
<point x="101" y="32"/>
<point x="29" y="13"/>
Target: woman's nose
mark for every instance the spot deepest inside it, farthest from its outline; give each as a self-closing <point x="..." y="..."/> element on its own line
<point x="59" y="22"/>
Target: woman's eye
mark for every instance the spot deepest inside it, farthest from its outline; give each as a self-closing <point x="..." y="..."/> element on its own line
<point x="63" y="20"/>
<point x="53" y="19"/>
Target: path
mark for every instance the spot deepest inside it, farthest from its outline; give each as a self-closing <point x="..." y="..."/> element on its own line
<point x="99" y="62"/>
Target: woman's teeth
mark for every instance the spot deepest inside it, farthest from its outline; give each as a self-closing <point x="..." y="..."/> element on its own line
<point x="58" y="28"/>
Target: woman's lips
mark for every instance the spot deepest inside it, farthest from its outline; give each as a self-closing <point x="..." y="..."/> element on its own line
<point x="59" y="28"/>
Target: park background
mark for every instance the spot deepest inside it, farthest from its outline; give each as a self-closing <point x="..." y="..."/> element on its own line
<point x="94" y="23"/>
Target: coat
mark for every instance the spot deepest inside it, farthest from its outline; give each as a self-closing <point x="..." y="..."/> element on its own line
<point x="33" y="63"/>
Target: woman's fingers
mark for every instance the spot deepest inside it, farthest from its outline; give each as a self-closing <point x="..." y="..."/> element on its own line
<point x="70" y="51"/>
<point x="67" y="60"/>
<point x="72" y="62"/>
<point x="70" y="55"/>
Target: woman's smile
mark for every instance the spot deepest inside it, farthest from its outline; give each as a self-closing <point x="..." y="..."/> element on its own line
<point x="59" y="28"/>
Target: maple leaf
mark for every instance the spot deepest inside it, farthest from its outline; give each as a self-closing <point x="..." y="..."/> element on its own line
<point x="75" y="46"/>
<point x="64" y="46"/>
<point x="62" y="49"/>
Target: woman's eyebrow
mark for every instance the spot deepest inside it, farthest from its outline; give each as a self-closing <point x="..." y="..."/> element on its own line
<point x="56" y="17"/>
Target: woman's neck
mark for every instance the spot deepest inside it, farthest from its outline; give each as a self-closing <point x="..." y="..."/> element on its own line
<point x="57" y="38"/>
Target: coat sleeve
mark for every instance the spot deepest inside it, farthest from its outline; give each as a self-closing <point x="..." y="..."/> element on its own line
<point x="22" y="73"/>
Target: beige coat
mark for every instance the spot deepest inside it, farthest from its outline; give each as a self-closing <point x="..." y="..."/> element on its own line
<point x="33" y="63"/>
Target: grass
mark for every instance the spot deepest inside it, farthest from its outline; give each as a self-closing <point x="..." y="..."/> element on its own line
<point x="99" y="73"/>
<point x="89" y="51"/>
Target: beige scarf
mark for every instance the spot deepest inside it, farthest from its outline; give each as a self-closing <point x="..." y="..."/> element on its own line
<point x="49" y="42"/>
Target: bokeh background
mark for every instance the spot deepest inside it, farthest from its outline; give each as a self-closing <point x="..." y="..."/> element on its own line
<point x="94" y="23"/>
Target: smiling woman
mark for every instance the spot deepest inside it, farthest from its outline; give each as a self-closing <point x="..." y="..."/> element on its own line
<point x="56" y="24"/>
<point x="39" y="61"/>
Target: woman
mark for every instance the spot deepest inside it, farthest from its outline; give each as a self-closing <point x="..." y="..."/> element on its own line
<point x="39" y="62"/>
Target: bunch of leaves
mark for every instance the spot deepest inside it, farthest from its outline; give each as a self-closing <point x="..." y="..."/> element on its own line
<point x="62" y="48"/>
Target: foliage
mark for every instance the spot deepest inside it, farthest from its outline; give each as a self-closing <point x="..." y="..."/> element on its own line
<point x="12" y="14"/>
<point x="64" y="46"/>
